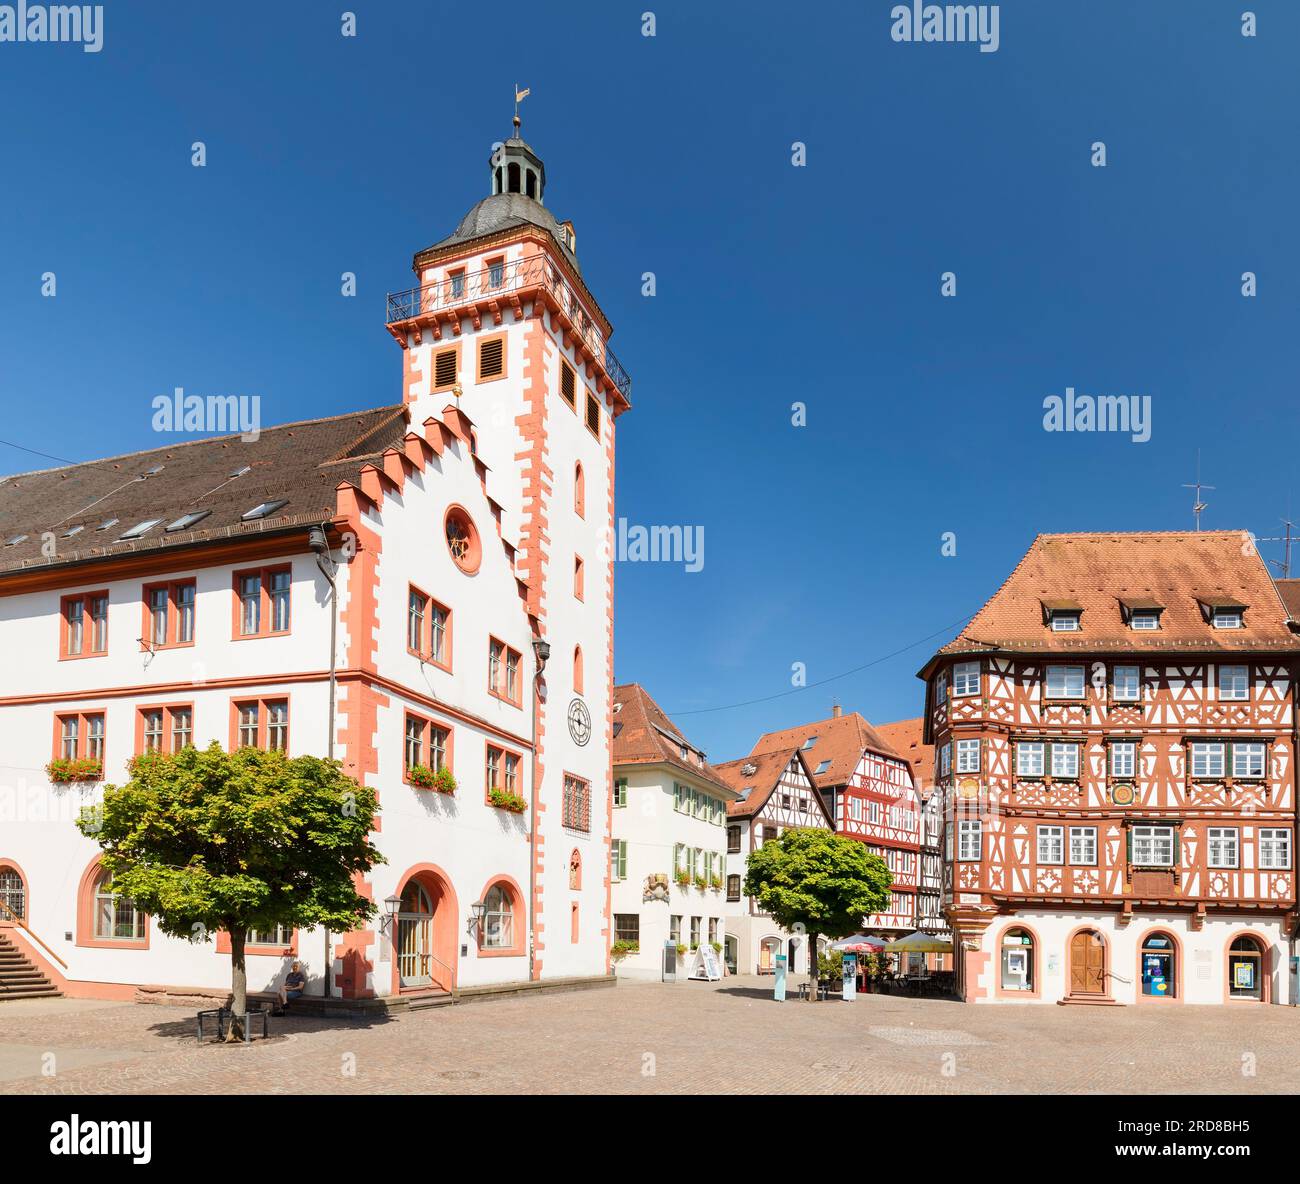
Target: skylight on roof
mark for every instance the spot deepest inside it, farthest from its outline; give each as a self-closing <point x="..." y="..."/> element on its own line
<point x="241" y="472"/>
<point x="13" y="542"/>
<point x="264" y="509"/>
<point x="107" y="523"/>
<point x="823" y="767"/>
<point x="185" y="521"/>
<point x="67" y="534"/>
<point x="807" y="744"/>
<point x="140" y="529"/>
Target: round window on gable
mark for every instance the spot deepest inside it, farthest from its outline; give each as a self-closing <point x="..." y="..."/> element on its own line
<point x="463" y="540"/>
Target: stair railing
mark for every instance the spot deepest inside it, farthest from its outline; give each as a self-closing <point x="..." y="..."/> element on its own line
<point x="5" y="910"/>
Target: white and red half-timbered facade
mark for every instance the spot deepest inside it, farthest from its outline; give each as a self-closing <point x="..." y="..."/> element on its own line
<point x="1115" y="737"/>
<point x="869" y="793"/>
<point x="774" y="793"/>
<point x="413" y="588"/>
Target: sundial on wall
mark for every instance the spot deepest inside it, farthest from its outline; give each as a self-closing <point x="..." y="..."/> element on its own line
<point x="579" y="722"/>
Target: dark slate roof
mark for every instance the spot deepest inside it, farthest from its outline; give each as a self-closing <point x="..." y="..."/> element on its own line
<point x="502" y="211"/>
<point x="303" y="462"/>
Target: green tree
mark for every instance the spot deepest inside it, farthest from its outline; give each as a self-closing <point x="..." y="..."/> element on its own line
<point x="206" y="840"/>
<point x="819" y="882"/>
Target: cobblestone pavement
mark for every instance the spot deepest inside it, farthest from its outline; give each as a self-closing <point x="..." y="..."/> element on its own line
<point x="650" y="1038"/>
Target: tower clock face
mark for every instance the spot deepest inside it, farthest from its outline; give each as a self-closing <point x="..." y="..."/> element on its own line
<point x="579" y="722"/>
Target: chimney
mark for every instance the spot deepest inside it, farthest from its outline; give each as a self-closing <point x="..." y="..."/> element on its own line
<point x="836" y="711"/>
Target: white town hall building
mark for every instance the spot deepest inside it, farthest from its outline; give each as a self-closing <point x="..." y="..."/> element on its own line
<point x="183" y="595"/>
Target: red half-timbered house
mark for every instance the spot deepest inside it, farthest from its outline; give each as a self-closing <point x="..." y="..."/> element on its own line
<point x="868" y="791"/>
<point x="1116" y="734"/>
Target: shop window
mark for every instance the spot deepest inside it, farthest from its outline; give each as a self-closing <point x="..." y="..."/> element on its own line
<point x="1246" y="969"/>
<point x="1158" y="954"/>
<point x="1017" y="960"/>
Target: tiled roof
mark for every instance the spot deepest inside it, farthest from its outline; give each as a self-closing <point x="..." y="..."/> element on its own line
<point x="1183" y="571"/>
<point x="840" y="740"/>
<point x="1290" y="593"/>
<point x="644" y="735"/>
<point x="906" y="737"/>
<point x="299" y="462"/>
<point x="754" y="777"/>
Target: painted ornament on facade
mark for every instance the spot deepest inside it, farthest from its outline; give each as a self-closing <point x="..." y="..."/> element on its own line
<point x="656" y="887"/>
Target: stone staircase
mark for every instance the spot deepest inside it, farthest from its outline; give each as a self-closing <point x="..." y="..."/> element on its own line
<point x="19" y="979"/>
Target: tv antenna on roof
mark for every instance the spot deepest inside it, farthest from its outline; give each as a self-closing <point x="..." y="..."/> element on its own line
<point x="1283" y="564"/>
<point x="1198" y="505"/>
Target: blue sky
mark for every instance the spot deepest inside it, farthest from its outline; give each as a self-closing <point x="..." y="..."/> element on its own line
<point x="775" y="284"/>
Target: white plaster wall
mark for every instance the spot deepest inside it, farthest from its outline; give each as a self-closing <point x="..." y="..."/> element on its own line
<point x="652" y="828"/>
<point x="1203" y="954"/>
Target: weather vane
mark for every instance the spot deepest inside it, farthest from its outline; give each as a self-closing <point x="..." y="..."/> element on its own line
<point x="520" y="96"/>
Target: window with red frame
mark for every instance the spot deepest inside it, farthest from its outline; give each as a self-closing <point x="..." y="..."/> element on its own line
<point x="262" y="723"/>
<point x="262" y="602"/>
<point x="579" y="491"/>
<point x="169" y="614"/>
<point x="503" y="671"/>
<point x="428" y="628"/>
<point x="79" y="735"/>
<point x="502" y="770"/>
<point x="426" y="743"/>
<point x="577" y="577"/>
<point x="84" y="625"/>
<point x="165" y="729"/>
<point x="577" y="803"/>
<point x="577" y="670"/>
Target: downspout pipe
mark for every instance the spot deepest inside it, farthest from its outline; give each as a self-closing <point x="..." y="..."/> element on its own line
<point x="319" y="544"/>
<point x="542" y="651"/>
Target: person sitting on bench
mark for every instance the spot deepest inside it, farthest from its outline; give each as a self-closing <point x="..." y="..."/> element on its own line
<point x="295" y="982"/>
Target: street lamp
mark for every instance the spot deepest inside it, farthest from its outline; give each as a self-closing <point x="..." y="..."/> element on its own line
<point x="542" y="649"/>
<point x="392" y="905"/>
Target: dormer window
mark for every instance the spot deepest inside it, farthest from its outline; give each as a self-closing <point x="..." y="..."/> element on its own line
<point x="1141" y="615"/>
<point x="1222" y="612"/>
<point x="1062" y="616"/>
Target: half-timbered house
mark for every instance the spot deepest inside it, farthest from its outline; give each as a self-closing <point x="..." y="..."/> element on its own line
<point x="774" y="793"/>
<point x="1116" y="739"/>
<point x="869" y="794"/>
<point x="907" y="738"/>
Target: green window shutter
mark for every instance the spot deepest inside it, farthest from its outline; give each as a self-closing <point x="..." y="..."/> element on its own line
<point x="1128" y="845"/>
<point x="677" y="858"/>
<point x="1177" y="848"/>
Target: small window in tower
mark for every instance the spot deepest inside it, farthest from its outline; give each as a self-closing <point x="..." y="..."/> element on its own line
<point x="444" y="369"/>
<point x="512" y="174"/>
<point x="567" y="384"/>
<point x="491" y="358"/>
<point x="531" y="189"/>
<point x="593" y="414"/>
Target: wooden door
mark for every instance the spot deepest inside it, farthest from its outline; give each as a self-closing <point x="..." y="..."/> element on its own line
<point x="1087" y="963"/>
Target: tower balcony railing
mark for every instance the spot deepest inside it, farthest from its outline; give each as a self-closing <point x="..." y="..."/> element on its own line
<point x="504" y="281"/>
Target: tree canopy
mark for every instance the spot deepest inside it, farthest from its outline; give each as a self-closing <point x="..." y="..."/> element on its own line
<point x="206" y="840"/>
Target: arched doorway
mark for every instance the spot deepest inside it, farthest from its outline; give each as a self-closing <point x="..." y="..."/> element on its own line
<point x="424" y="932"/>
<point x="1087" y="963"/>
<point x="768" y="949"/>
<point x="1159" y="965"/>
<point x="1246" y="969"/>
<point x="13" y="894"/>
<point x="415" y="938"/>
<point x="730" y="952"/>
<point x="1017" y="961"/>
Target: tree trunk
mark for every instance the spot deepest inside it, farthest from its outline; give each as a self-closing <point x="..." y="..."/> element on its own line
<point x="812" y="967"/>
<point x="238" y="985"/>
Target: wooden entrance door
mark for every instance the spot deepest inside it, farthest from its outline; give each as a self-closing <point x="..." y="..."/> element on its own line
<point x="1087" y="963"/>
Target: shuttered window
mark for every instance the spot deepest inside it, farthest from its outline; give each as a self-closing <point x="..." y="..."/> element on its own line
<point x="593" y="414"/>
<point x="491" y="357"/>
<point x="444" y="368"/>
<point x="568" y="386"/>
